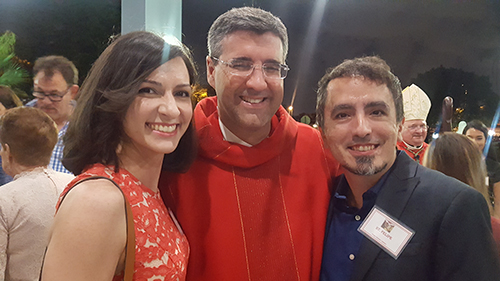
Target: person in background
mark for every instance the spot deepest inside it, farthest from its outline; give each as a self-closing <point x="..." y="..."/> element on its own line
<point x="416" y="106"/>
<point x="478" y="133"/>
<point x="254" y="203"/>
<point x="8" y="99"/>
<point x="55" y="85"/>
<point x="133" y="115"/>
<point x="27" y="204"/>
<point x="457" y="156"/>
<point x="390" y="218"/>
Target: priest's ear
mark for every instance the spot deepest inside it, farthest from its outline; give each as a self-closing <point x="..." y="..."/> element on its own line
<point x="211" y="63"/>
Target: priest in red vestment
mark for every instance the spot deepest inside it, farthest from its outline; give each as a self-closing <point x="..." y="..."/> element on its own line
<point x="253" y="205"/>
<point x="416" y="108"/>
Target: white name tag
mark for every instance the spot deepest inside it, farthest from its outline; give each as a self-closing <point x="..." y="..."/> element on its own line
<point x="385" y="231"/>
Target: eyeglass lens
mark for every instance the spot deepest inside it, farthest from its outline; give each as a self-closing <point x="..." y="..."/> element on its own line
<point x="53" y="96"/>
<point x="245" y="68"/>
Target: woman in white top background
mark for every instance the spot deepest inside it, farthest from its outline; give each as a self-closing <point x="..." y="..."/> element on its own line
<point x="27" y="204"/>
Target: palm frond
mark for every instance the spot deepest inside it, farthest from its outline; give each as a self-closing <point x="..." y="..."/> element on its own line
<point x="11" y="73"/>
<point x="7" y="42"/>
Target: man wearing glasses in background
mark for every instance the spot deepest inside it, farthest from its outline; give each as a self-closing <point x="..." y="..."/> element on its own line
<point x="55" y="87"/>
<point x="416" y="105"/>
<point x="253" y="205"/>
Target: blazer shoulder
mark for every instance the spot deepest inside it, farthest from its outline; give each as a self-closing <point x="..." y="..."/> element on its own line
<point x="439" y="185"/>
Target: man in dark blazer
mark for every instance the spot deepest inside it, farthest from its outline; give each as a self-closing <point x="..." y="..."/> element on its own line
<point x="390" y="218"/>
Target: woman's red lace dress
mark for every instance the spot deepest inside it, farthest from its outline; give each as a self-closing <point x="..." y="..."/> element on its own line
<point x="161" y="248"/>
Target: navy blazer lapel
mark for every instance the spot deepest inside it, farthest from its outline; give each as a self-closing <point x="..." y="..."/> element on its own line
<point x="399" y="186"/>
<point x="393" y="198"/>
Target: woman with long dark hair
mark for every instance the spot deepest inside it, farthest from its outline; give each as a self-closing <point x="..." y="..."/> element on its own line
<point x="478" y="133"/>
<point x="133" y="118"/>
<point x="457" y="156"/>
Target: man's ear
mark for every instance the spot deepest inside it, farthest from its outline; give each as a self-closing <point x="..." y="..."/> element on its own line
<point x="73" y="90"/>
<point x="400" y="130"/>
<point x="210" y="72"/>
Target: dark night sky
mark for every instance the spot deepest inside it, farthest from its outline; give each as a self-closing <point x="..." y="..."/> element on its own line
<point x="412" y="36"/>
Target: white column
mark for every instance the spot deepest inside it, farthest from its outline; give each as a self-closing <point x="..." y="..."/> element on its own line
<point x="163" y="17"/>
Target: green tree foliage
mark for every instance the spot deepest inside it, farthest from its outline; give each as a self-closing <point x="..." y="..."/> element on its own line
<point x="473" y="97"/>
<point x="11" y="74"/>
<point x="77" y="30"/>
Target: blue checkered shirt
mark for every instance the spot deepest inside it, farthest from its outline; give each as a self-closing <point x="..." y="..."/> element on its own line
<point x="57" y="153"/>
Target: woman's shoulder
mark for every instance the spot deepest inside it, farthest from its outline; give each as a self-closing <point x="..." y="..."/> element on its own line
<point x="92" y="219"/>
<point x="94" y="194"/>
<point x="93" y="189"/>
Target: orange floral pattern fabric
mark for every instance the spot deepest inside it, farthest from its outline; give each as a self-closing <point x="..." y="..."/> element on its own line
<point x="161" y="248"/>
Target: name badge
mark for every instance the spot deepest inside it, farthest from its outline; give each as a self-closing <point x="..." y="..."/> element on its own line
<point x="385" y="231"/>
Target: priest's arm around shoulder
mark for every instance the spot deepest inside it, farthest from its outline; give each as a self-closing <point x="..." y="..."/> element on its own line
<point x="389" y="217"/>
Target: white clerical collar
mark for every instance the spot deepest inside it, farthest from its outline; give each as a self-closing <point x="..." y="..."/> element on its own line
<point x="412" y="147"/>
<point x="230" y="137"/>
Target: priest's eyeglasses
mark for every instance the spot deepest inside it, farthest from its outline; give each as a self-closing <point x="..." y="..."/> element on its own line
<point x="53" y="96"/>
<point x="244" y="68"/>
<point x="418" y="127"/>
